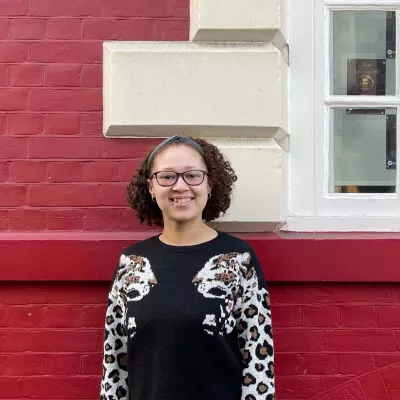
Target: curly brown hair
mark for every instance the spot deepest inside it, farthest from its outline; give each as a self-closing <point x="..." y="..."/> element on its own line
<point x="221" y="178"/>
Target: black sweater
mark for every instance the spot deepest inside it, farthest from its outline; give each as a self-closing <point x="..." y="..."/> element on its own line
<point x="188" y="323"/>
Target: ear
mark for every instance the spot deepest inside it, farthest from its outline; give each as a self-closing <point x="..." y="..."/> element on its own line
<point x="150" y="186"/>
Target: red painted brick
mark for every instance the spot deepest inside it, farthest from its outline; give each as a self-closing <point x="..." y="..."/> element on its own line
<point x="85" y="99"/>
<point x="64" y="28"/>
<point x="3" y="365"/>
<point x="102" y="219"/>
<point x="102" y="171"/>
<point x="12" y="195"/>
<point x="92" y="76"/>
<point x="391" y="378"/>
<point x="329" y="382"/>
<point x="355" y="363"/>
<point x="63" y="75"/>
<point x="28" y="28"/>
<point x="122" y="148"/>
<point x="26" y="75"/>
<point x="65" y="171"/>
<point x="66" y="52"/>
<point x="320" y="364"/>
<point x="26" y="317"/>
<point x="321" y="316"/>
<point x="3" y="73"/>
<point x="74" y="194"/>
<point x="3" y="123"/>
<point x="26" y="220"/>
<point x="4" y="319"/>
<point x="25" y="124"/>
<point x="389" y="317"/>
<point x="298" y="340"/>
<point x="94" y="316"/>
<point x="11" y="387"/>
<point x="128" y="169"/>
<point x="112" y="194"/>
<point x="12" y="147"/>
<point x="287" y="364"/>
<point x="66" y="340"/>
<point x="3" y="220"/>
<point x="13" y="8"/>
<point x="171" y="30"/>
<point x="182" y="9"/>
<point x="13" y="52"/>
<point x="91" y="364"/>
<point x="353" y="391"/>
<point x="287" y="315"/>
<point x="70" y="148"/>
<point x="100" y="29"/>
<point x="386" y="359"/>
<point x="61" y="364"/>
<point x="4" y="28"/>
<point x="357" y="316"/>
<point x="28" y="171"/>
<point x="63" y="317"/>
<point x="13" y="99"/>
<point x="12" y="339"/>
<point x="374" y="387"/>
<point x="92" y="124"/>
<point x="296" y="387"/>
<point x="64" y="124"/>
<point x="128" y="221"/>
<point x="139" y="8"/>
<point x="70" y="8"/>
<point x="4" y="171"/>
<point x="64" y="219"/>
<point x="25" y="364"/>
<point x="359" y="340"/>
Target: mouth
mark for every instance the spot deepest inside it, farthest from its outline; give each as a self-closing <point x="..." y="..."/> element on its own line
<point x="180" y="201"/>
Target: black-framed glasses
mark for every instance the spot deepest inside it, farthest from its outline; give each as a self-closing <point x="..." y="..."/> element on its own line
<point x="193" y="177"/>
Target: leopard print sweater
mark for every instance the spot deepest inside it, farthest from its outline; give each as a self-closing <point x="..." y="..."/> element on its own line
<point x="188" y="322"/>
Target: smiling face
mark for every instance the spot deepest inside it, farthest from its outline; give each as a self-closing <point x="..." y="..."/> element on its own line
<point x="180" y="203"/>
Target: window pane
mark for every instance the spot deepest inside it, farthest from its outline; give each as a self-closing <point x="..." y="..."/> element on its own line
<point x="363" y="51"/>
<point x="364" y="150"/>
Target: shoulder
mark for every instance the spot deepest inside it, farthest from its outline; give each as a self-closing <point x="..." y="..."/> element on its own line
<point x="142" y="247"/>
<point x="235" y="243"/>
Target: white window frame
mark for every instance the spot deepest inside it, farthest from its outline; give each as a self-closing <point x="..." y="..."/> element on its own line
<point x="311" y="206"/>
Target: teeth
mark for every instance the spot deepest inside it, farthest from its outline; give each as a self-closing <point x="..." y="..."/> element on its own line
<point x="181" y="201"/>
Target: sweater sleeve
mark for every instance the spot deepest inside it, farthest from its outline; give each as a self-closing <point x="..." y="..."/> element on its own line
<point x="114" y="383"/>
<point x="253" y="322"/>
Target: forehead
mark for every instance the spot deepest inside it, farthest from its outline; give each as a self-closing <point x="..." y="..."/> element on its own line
<point x="178" y="156"/>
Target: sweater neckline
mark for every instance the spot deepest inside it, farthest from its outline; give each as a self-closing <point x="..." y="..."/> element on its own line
<point x="189" y="248"/>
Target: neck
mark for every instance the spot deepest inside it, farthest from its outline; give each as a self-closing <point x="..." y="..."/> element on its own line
<point x="187" y="234"/>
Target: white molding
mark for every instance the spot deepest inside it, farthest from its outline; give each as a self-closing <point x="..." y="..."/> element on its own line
<point x="363" y="4"/>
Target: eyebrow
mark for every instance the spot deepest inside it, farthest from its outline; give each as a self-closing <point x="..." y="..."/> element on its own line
<point x="186" y="168"/>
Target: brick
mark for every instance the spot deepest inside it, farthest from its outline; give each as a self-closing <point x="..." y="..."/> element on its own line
<point x="3" y="365"/>
<point x="91" y="364"/>
<point x="3" y="74"/>
<point x="296" y="387"/>
<point x="70" y="148"/>
<point x="4" y="28"/>
<point x="355" y="363"/>
<point x="13" y="8"/>
<point x="140" y="8"/>
<point x="102" y="171"/>
<point x="13" y="52"/>
<point x="128" y="221"/>
<point x="93" y="316"/>
<point x="11" y="387"/>
<point x="4" y="171"/>
<point x="66" y="340"/>
<point x="3" y="123"/>
<point x="171" y="30"/>
<point x="12" y="195"/>
<point x="62" y="364"/>
<point x="329" y="382"/>
<point x="357" y="316"/>
<point x="86" y="52"/>
<point x="65" y="171"/>
<point x="101" y="219"/>
<point x="374" y="387"/>
<point x="27" y="171"/>
<point x="287" y="364"/>
<point x="70" y="8"/>
<point x="85" y="99"/>
<point x="128" y="168"/>
<point x="359" y="340"/>
<point x="25" y="124"/>
<point x="26" y="75"/>
<point x="389" y="317"/>
<point x="64" y="28"/>
<point x="25" y="364"/>
<point x="182" y="9"/>
<point x="13" y="147"/>
<point x="121" y="148"/>
<point x="298" y="340"/>
<point x="100" y="29"/>
<point x="13" y="99"/>
<point x="12" y="339"/>
<point x="321" y="316"/>
<point x="4" y="317"/>
<point x="92" y="124"/>
<point x="28" y="28"/>
<point x="391" y="378"/>
<point x="3" y="220"/>
<point x="320" y="364"/>
<point x="63" y="75"/>
<point x="63" y="317"/>
<point x="26" y="317"/>
<point x="386" y="359"/>
<point x="61" y="220"/>
<point x="112" y="194"/>
<point x="63" y="124"/>
<point x="287" y="315"/>
<point x="92" y="76"/>
<point x="78" y="195"/>
<point x="352" y="391"/>
<point x="26" y="220"/>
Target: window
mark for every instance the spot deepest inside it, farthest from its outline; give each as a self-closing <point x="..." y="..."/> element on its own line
<point x="344" y="102"/>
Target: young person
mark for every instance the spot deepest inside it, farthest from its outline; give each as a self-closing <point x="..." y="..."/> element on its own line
<point x="188" y="314"/>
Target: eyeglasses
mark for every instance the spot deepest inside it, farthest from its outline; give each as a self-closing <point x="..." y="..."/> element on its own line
<point x="169" y="178"/>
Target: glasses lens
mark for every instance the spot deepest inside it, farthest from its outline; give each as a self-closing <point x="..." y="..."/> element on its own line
<point x="194" y="177"/>
<point x="166" y="178"/>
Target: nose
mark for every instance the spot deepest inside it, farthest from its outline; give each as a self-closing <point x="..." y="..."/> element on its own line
<point x="180" y="184"/>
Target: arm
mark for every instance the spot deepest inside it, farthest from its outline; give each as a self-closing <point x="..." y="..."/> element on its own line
<point x="253" y="321"/>
<point x="114" y="383"/>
